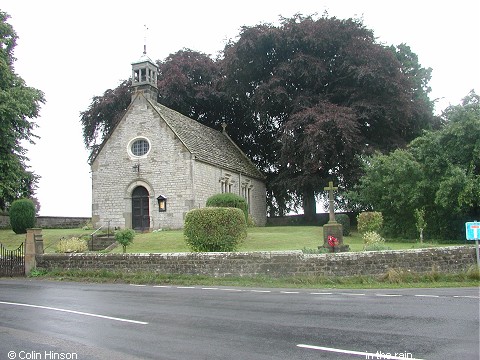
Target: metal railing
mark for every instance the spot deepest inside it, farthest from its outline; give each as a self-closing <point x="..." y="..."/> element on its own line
<point x="92" y="235"/>
<point x="12" y="262"/>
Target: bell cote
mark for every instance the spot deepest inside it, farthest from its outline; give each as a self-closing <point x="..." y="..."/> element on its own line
<point x="144" y="77"/>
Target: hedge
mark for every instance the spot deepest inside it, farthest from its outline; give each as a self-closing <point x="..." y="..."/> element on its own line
<point x="215" y="229"/>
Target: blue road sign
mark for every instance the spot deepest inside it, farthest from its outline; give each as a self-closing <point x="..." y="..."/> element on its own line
<point x="472" y="230"/>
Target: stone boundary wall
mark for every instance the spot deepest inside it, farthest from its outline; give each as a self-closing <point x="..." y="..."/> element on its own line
<point x="275" y="264"/>
<point x="61" y="222"/>
<point x="51" y="222"/>
<point x="320" y="219"/>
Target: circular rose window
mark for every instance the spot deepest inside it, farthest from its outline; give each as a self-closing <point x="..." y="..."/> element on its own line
<point x="139" y="147"/>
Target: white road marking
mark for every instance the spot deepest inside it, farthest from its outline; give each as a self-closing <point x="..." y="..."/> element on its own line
<point x="75" y="312"/>
<point x="317" y="293"/>
<point x="360" y="353"/>
<point x="312" y="293"/>
<point x="238" y="290"/>
<point x="351" y="294"/>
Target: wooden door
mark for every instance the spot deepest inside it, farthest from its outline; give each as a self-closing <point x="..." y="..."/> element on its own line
<point x="140" y="209"/>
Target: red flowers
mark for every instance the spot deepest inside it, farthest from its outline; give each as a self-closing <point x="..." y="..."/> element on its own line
<point x="332" y="241"/>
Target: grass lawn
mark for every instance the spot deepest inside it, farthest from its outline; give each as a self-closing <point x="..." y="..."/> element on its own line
<point x="270" y="238"/>
<point x="50" y="237"/>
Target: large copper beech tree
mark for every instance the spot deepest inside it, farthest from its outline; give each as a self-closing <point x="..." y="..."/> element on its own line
<point x="304" y="100"/>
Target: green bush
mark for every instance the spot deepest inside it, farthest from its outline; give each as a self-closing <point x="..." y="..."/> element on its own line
<point x="73" y="244"/>
<point x="345" y="221"/>
<point x="215" y="229"/>
<point x="229" y="200"/>
<point x="124" y="237"/>
<point x="22" y="215"/>
<point x="369" y="221"/>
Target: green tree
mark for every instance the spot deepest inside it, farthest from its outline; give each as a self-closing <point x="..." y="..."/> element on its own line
<point x="392" y="185"/>
<point x="438" y="172"/>
<point x="18" y="105"/>
<point x="125" y="237"/>
<point x="451" y="156"/>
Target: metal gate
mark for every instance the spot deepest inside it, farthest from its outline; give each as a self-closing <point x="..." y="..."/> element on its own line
<point x="12" y="262"/>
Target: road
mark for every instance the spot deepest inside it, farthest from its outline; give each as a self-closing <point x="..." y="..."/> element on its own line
<point x="66" y="320"/>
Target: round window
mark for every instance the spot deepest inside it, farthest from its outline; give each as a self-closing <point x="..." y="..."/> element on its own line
<point x="140" y="147"/>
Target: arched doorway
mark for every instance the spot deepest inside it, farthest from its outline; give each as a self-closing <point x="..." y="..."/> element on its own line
<point x="140" y="208"/>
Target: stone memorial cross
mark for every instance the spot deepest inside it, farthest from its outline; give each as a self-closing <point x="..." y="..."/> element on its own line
<point x="330" y="189"/>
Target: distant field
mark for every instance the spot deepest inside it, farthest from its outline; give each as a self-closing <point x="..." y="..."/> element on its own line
<point x="275" y="238"/>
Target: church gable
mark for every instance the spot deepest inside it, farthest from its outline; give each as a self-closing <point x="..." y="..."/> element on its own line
<point x="157" y="164"/>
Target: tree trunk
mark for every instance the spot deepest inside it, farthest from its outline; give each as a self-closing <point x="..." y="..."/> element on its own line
<point x="309" y="206"/>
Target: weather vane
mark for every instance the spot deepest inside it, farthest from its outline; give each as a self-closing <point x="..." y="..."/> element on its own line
<point x="145" y="40"/>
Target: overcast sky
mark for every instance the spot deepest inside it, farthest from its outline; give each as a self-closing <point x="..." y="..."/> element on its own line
<point x="74" y="50"/>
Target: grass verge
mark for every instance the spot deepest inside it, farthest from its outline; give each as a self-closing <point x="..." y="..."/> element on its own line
<point x="394" y="278"/>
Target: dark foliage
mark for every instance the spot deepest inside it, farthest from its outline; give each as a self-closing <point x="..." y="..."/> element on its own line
<point x="228" y="200"/>
<point x="22" y="215"/>
<point x="103" y="114"/>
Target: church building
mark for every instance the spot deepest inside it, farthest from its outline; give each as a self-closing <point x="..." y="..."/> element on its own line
<point x="158" y="164"/>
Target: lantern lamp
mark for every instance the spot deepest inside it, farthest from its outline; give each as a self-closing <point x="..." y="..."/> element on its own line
<point x="162" y="203"/>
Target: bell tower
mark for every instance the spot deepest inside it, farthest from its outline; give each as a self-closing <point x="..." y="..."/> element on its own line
<point x="144" y="76"/>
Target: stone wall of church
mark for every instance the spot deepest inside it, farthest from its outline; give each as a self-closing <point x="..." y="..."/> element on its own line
<point x="165" y="170"/>
<point x="210" y="180"/>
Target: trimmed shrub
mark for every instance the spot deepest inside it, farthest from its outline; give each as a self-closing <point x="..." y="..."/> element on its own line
<point x="345" y="221"/>
<point x="369" y="221"/>
<point x="22" y="215"/>
<point x="73" y="244"/>
<point x="229" y="200"/>
<point x="215" y="229"/>
<point x="124" y="237"/>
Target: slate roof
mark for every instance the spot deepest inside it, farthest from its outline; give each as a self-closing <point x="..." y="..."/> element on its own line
<point x="206" y="144"/>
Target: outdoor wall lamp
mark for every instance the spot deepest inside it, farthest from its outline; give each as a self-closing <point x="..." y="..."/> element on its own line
<point x="162" y="203"/>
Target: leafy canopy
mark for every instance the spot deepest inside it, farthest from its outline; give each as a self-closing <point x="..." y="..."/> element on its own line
<point x="18" y="105"/>
<point x="439" y="173"/>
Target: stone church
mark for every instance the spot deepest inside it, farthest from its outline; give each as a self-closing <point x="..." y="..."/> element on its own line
<point x="157" y="164"/>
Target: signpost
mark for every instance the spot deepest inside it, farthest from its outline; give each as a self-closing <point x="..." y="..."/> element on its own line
<point x="472" y="230"/>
